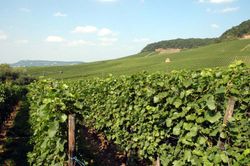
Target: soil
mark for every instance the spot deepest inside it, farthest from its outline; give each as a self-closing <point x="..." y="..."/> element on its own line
<point x="167" y="51"/>
<point x="97" y="150"/>
<point x="100" y="152"/>
<point x="14" y="137"/>
<point x="9" y="123"/>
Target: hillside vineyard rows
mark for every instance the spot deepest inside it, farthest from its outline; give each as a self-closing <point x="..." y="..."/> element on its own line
<point x="177" y="117"/>
<point x="209" y="56"/>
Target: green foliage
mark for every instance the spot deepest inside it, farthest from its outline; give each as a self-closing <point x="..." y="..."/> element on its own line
<point x="10" y="89"/>
<point x="7" y="73"/>
<point x="50" y="102"/>
<point x="237" y="31"/>
<point x="176" y="116"/>
<point x="15" y="75"/>
<point x="179" y="43"/>
<point x="9" y="95"/>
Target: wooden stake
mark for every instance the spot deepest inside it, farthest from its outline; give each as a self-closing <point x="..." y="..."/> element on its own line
<point x="71" y="139"/>
<point x="158" y="162"/>
<point x="227" y="116"/>
<point x="229" y="111"/>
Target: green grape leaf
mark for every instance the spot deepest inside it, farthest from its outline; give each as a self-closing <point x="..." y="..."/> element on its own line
<point x="53" y="128"/>
<point x="212" y="118"/>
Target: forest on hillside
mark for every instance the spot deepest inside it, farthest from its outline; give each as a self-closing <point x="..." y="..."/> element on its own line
<point x="233" y="33"/>
<point x="237" y="31"/>
<point x="179" y="43"/>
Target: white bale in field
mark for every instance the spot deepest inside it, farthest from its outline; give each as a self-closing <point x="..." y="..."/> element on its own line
<point x="167" y="60"/>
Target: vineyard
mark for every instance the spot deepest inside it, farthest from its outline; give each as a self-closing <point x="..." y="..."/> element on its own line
<point x="214" y="55"/>
<point x="9" y="95"/>
<point x="14" y="127"/>
<point x="179" y="118"/>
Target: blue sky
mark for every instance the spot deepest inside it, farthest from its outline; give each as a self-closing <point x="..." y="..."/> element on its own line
<point x="92" y="30"/>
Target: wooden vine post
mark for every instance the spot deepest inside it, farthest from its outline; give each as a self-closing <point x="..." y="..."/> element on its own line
<point x="71" y="139"/>
<point x="158" y="163"/>
<point x="229" y="110"/>
<point x="227" y="116"/>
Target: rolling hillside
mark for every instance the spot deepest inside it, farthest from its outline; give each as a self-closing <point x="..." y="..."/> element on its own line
<point x="214" y="55"/>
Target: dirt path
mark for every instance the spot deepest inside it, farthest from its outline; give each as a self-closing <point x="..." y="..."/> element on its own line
<point x="14" y="137"/>
<point x="97" y="151"/>
<point x="9" y="123"/>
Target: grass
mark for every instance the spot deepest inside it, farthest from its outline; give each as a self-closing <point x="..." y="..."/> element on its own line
<point x="214" y="55"/>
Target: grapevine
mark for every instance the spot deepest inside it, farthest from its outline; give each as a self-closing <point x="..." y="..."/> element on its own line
<point x="175" y="116"/>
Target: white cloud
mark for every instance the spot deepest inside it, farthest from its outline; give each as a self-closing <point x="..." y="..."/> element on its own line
<point x="79" y="43"/>
<point x="53" y="38"/>
<point x="106" y="44"/>
<point x="221" y="1"/>
<point x="85" y="29"/>
<point x="21" y="41"/>
<point x="141" y="40"/>
<point x="26" y="10"/>
<point x="92" y="29"/>
<point x="214" y="26"/>
<point x="224" y="10"/>
<point x="105" y="32"/>
<point x="216" y="1"/>
<point x="107" y="41"/>
<point x="59" y="14"/>
<point x="229" y="9"/>
<point x="3" y="36"/>
<point x="107" y="0"/>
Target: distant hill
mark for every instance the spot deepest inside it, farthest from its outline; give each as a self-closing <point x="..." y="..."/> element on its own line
<point x="29" y="63"/>
<point x="213" y="55"/>
<point x="179" y="44"/>
<point x="240" y="31"/>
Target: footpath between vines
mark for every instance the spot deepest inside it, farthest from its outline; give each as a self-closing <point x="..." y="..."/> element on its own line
<point x="15" y="135"/>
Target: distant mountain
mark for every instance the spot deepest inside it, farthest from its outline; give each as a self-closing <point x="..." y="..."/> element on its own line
<point x="29" y="63"/>
<point x="239" y="31"/>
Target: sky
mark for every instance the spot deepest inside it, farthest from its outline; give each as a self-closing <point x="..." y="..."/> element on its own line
<point x="95" y="30"/>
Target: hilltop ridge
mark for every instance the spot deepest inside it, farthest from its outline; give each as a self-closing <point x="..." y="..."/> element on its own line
<point x="179" y="44"/>
<point x="240" y="31"/>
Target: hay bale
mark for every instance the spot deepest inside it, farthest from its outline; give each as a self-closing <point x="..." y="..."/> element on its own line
<point x="167" y="60"/>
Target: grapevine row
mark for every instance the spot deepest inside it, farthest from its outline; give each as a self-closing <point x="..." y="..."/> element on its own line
<point x="177" y="117"/>
<point x="9" y="95"/>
